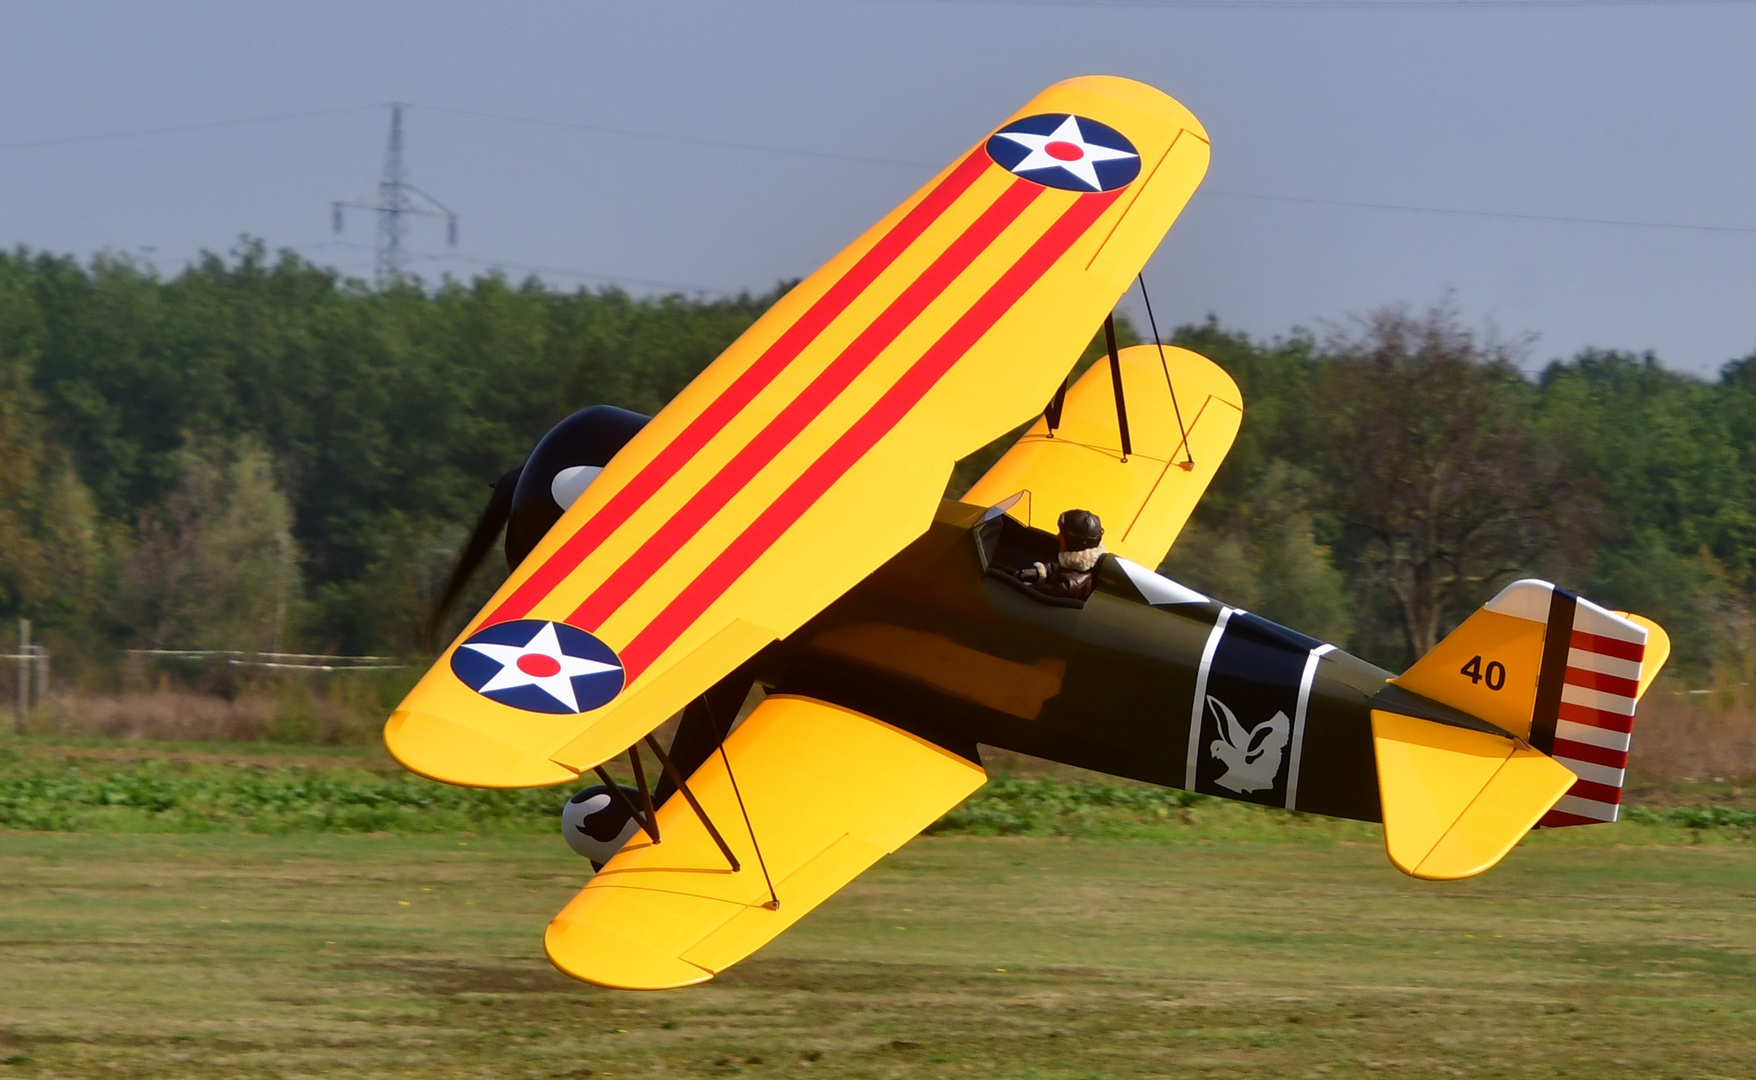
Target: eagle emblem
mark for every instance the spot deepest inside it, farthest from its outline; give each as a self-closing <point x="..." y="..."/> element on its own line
<point x="1251" y="756"/>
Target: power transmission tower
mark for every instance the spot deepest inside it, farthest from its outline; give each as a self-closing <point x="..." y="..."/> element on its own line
<point x="395" y="201"/>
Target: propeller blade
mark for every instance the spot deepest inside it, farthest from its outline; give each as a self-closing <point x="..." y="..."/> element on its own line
<point x="481" y="541"/>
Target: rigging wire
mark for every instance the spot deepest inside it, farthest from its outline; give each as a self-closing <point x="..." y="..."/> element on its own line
<point x="1188" y="454"/>
<point x="773" y="898"/>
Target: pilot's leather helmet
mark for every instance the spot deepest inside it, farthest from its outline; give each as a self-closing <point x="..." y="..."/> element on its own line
<point x="1080" y="529"/>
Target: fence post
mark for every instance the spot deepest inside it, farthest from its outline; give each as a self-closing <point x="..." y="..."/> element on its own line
<point x="24" y="666"/>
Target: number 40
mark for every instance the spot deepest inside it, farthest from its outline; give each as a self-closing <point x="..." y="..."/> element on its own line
<point x="1494" y="673"/>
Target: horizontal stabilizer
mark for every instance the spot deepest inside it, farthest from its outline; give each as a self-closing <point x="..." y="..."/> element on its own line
<point x="1658" y="650"/>
<point x="828" y="792"/>
<point x="1456" y="800"/>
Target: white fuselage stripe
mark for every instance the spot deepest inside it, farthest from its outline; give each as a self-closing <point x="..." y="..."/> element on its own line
<point x="1305" y="680"/>
<point x="1587" y="770"/>
<point x="1590" y="808"/>
<point x="1597" y="699"/>
<point x="1596" y="736"/>
<point x="1196" y="707"/>
<point x="1607" y="665"/>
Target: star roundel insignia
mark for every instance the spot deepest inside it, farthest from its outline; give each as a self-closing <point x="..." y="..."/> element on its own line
<point x="539" y="666"/>
<point x="1060" y="150"/>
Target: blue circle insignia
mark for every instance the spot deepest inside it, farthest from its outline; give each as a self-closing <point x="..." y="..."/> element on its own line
<point x="1061" y="150"/>
<point x="539" y="666"/>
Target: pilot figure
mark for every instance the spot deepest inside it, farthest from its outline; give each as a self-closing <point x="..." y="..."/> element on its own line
<point x="1073" y="574"/>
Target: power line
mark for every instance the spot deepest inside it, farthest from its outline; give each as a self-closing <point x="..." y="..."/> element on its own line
<point x="1215" y="192"/>
<point x="1334" y="5"/>
<point x="533" y="268"/>
<point x="635" y="133"/>
<point x="177" y="129"/>
<point x="1460" y="212"/>
<point x="603" y="129"/>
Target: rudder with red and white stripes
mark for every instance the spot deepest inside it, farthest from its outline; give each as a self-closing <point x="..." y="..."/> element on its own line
<point x="1591" y="723"/>
<point x="1555" y="671"/>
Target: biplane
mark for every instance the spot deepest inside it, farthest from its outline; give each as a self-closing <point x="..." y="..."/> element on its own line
<point x="772" y="558"/>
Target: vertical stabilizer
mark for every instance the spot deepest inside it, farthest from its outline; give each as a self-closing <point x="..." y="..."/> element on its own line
<point x="1558" y="672"/>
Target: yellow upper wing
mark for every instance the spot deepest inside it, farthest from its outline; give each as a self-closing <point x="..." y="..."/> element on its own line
<point x="1143" y="500"/>
<point x="816" y="446"/>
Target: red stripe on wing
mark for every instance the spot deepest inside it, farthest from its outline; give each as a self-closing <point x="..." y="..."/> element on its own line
<point x="804" y="492"/>
<point x="744" y="388"/>
<point x="798" y="413"/>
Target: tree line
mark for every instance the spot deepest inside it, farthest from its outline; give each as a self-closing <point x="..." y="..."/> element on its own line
<point x="260" y="454"/>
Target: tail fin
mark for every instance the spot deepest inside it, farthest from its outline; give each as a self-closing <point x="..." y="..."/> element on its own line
<point x="1558" y="672"/>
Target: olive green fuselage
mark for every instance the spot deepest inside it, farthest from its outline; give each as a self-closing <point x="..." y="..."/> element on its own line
<point x="940" y="641"/>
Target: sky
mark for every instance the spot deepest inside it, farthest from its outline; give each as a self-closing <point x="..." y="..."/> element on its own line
<point x="1580" y="173"/>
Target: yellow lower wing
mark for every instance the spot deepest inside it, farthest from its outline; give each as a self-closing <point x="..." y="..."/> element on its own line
<point x="828" y="792"/>
<point x="1456" y="800"/>
<point x="1145" y="500"/>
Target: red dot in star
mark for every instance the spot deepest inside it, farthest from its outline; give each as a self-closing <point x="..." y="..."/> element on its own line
<point x="538" y="666"/>
<point x="1064" y="151"/>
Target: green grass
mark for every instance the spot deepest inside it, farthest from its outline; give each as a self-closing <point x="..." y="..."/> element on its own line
<point x="111" y="788"/>
<point x="231" y="910"/>
<point x="222" y="954"/>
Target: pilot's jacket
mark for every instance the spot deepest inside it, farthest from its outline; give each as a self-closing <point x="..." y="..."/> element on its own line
<point x="1072" y="577"/>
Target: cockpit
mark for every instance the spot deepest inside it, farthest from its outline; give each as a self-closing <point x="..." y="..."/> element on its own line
<point x="1006" y="545"/>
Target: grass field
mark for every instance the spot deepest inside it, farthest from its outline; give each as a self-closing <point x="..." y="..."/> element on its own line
<point x="261" y="910"/>
<point x="337" y="955"/>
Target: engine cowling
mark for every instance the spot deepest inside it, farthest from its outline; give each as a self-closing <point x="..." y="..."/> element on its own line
<point x="597" y="824"/>
<point x="559" y="469"/>
<point x="530" y="498"/>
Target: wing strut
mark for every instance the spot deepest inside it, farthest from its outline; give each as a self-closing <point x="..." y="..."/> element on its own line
<point x="647" y="821"/>
<point x="1052" y="414"/>
<point x="1116" y="386"/>
<point x="694" y="804"/>
<point x="645" y="792"/>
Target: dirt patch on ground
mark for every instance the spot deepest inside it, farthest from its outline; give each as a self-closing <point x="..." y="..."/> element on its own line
<point x="441" y="978"/>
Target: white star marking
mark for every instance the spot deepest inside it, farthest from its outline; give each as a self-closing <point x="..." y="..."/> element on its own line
<point x="546" y="646"/>
<point x="1067" y="139"/>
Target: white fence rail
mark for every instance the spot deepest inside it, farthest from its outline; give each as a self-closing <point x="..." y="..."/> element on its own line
<point x="279" y="661"/>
